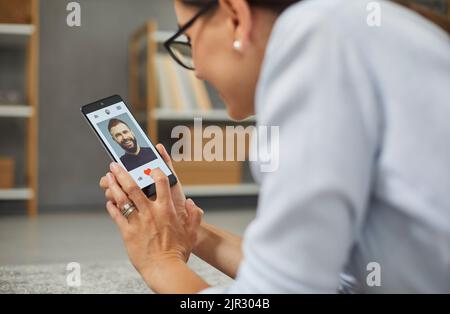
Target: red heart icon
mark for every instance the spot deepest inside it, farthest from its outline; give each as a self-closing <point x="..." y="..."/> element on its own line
<point x="148" y="171"/>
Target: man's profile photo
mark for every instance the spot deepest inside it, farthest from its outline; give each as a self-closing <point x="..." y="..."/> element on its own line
<point x="135" y="155"/>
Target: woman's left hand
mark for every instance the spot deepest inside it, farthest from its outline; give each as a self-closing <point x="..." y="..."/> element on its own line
<point x="154" y="234"/>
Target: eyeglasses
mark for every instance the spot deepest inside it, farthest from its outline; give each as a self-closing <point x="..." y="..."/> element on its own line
<point x="179" y="46"/>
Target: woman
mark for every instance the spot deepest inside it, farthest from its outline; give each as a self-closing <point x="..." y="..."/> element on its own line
<point x="360" y="201"/>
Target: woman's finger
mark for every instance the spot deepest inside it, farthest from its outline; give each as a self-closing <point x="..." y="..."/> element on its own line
<point x="195" y="214"/>
<point x="121" y="199"/>
<point x="117" y="216"/>
<point x="109" y="196"/>
<point x="117" y="194"/>
<point x="165" y="156"/>
<point x="103" y="183"/>
<point x="130" y="187"/>
<point x="162" y="186"/>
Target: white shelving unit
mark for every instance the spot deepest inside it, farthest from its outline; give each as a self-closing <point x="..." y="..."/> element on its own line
<point x="15" y="34"/>
<point x="16" y="194"/>
<point x="16" y="111"/>
<point x="17" y="29"/>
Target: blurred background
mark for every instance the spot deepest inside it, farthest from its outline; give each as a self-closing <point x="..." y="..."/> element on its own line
<point x="75" y="66"/>
<point x="51" y="208"/>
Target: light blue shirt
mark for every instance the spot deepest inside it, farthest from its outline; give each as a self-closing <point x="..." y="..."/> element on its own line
<point x="364" y="170"/>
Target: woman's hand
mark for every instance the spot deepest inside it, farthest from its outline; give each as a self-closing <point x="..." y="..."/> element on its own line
<point x="176" y="190"/>
<point x="155" y="234"/>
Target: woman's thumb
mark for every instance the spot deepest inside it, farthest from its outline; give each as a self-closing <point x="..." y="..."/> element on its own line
<point x="195" y="213"/>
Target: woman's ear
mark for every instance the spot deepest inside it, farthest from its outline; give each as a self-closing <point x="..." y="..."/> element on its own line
<point x="239" y="19"/>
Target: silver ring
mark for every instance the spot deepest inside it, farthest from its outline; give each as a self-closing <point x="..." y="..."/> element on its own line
<point x="127" y="206"/>
<point x="128" y="209"/>
<point x="129" y="212"/>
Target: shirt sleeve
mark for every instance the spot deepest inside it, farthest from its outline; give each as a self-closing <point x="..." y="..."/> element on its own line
<point x="315" y="88"/>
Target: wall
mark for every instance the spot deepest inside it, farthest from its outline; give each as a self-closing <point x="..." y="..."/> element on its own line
<point x="80" y="65"/>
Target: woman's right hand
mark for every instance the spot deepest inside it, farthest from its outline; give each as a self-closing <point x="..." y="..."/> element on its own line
<point x="217" y="247"/>
<point x="183" y="208"/>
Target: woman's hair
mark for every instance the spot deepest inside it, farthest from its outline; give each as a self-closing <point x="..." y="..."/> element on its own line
<point x="280" y="5"/>
<point x="275" y="5"/>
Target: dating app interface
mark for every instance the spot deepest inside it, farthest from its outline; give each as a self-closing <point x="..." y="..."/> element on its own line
<point x="127" y="142"/>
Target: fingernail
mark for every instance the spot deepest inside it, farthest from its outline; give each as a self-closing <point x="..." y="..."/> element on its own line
<point x="152" y="174"/>
<point x="109" y="177"/>
<point x="192" y="203"/>
<point x="114" y="166"/>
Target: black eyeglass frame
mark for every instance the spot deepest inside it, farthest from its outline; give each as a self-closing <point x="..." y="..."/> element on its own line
<point x="182" y="30"/>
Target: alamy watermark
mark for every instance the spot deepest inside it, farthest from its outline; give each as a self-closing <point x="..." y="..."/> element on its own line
<point x="73" y="278"/>
<point x="74" y="16"/>
<point x="373" y="279"/>
<point x="374" y="16"/>
<point x="214" y="143"/>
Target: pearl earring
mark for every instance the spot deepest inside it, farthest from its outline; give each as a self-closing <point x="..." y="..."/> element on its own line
<point x="237" y="45"/>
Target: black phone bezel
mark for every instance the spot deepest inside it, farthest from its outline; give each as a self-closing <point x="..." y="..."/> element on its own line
<point x="106" y="102"/>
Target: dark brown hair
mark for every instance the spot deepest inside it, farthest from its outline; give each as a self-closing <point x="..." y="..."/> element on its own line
<point x="275" y="5"/>
<point x="113" y="122"/>
<point x="281" y="5"/>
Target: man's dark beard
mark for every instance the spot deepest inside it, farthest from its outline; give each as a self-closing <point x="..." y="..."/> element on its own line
<point x="131" y="150"/>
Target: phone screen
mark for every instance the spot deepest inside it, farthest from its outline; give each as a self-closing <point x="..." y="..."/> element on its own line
<point x="126" y="142"/>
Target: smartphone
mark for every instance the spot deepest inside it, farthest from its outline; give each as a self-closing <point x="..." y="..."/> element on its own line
<point x="125" y="141"/>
